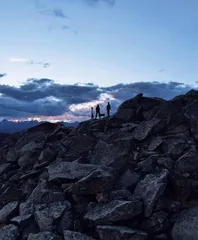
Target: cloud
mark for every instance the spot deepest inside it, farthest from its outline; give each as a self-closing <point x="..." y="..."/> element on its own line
<point x="44" y="98"/>
<point x="28" y="61"/>
<point x="161" y="70"/>
<point x="2" y="75"/>
<point x="57" y="12"/>
<point x="110" y="2"/>
<point x="65" y="27"/>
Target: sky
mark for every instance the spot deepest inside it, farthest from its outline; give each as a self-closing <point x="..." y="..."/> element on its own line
<point x="59" y="58"/>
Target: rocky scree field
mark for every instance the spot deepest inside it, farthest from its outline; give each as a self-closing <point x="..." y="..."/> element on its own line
<point x="133" y="176"/>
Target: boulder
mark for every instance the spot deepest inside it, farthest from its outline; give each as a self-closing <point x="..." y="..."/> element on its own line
<point x="44" y="236"/>
<point x="147" y="128"/>
<point x="186" y="225"/>
<point x="8" y="212"/>
<point x="188" y="163"/>
<point x="114" y="211"/>
<point x="71" y="171"/>
<point x="47" y="215"/>
<point x="128" y="179"/>
<point x="9" y="232"/>
<point x="120" y="233"/>
<point x="22" y="221"/>
<point x="151" y="188"/>
<point x="47" y="155"/>
<point x="115" y="154"/>
<point x="96" y="182"/>
<point x="157" y="223"/>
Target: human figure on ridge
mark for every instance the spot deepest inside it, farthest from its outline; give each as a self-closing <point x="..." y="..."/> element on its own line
<point x="92" y="113"/>
<point x="108" y="109"/>
<point x="97" y="111"/>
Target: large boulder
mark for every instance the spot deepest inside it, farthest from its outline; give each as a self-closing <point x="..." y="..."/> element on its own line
<point x="114" y="154"/>
<point x="114" y="211"/>
<point x="72" y="170"/>
<point x="96" y="182"/>
<point x="186" y="225"/>
<point x="151" y="188"/>
<point x="9" y="211"/>
<point x="47" y="215"/>
<point x="147" y="128"/>
<point x="188" y="163"/>
<point x="120" y="233"/>
<point x="9" y="232"/>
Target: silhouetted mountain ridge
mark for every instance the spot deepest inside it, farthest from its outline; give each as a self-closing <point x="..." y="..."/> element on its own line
<point x="7" y="126"/>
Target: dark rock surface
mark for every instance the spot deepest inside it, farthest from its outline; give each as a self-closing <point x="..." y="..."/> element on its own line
<point x="133" y="175"/>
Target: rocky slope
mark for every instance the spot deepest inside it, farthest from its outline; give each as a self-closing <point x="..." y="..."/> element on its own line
<point x="133" y="176"/>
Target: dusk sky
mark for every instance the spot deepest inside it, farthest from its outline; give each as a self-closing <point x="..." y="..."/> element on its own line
<point x="60" y="57"/>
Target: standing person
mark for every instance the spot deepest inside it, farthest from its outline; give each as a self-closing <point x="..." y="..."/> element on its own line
<point x="97" y="111"/>
<point x="108" y="109"/>
<point x="92" y="113"/>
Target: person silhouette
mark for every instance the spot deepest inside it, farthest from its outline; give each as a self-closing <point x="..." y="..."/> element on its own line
<point x="108" y="109"/>
<point x="97" y="111"/>
<point x="92" y="113"/>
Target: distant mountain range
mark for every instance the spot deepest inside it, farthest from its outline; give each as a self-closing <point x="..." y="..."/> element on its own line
<point x="11" y="127"/>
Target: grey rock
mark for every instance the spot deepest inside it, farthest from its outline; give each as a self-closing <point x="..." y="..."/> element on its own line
<point x="44" y="236"/>
<point x="165" y="162"/>
<point x="186" y="225"/>
<point x="120" y="233"/>
<point x="128" y="179"/>
<point x="157" y="223"/>
<point x="114" y="211"/>
<point x="71" y="171"/>
<point x="120" y="195"/>
<point x="188" y="164"/>
<point x="70" y="235"/>
<point x="46" y="215"/>
<point x="155" y="143"/>
<point x="47" y="155"/>
<point x="22" y="221"/>
<point x="151" y="188"/>
<point x="66" y="222"/>
<point x="4" y="167"/>
<point x="114" y="154"/>
<point x="96" y="182"/>
<point x="146" y="128"/>
<point x="8" y="212"/>
<point x="9" y="232"/>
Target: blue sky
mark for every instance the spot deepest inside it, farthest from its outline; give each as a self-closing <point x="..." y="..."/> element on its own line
<point x="73" y="41"/>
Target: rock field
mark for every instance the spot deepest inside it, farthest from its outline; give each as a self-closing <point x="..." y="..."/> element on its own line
<point x="133" y="176"/>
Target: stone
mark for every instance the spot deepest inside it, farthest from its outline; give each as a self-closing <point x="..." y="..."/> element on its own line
<point x="114" y="211"/>
<point x="186" y="225"/>
<point x="71" y="235"/>
<point x="44" y="236"/>
<point x="147" y="128"/>
<point x="155" y="143"/>
<point x="22" y="221"/>
<point x="47" y="215"/>
<point x="47" y="155"/>
<point x="114" y="155"/>
<point x="157" y="223"/>
<point x="8" y="212"/>
<point x="165" y="162"/>
<point x="71" y="171"/>
<point x="120" y="233"/>
<point x="9" y="232"/>
<point x="128" y="179"/>
<point x="66" y="222"/>
<point x="122" y="194"/>
<point x="151" y="188"/>
<point x="96" y="182"/>
<point x="188" y="163"/>
<point x="4" y="167"/>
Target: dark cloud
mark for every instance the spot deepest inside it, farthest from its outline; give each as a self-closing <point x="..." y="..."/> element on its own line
<point x="58" y="13"/>
<point x="2" y="75"/>
<point x="44" y="97"/>
<point x="161" y="70"/>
